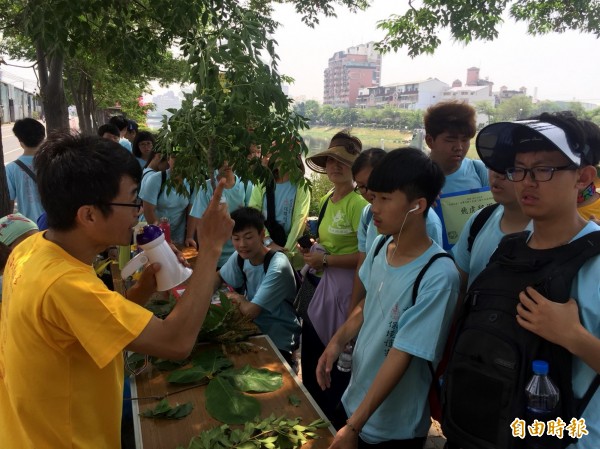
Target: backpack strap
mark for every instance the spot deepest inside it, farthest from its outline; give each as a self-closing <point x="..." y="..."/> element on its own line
<point x="437" y="388"/>
<point x="26" y="169"/>
<point x="419" y="277"/>
<point x="478" y="222"/>
<point x="380" y="244"/>
<point x="266" y="262"/>
<point x="322" y="213"/>
<point x="270" y="194"/>
<point x="163" y="180"/>
<point x="368" y="220"/>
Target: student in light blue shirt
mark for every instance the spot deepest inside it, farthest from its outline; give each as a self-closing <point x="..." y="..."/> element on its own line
<point x="161" y="201"/>
<point x="386" y="400"/>
<point x="269" y="294"/>
<point x="507" y="218"/>
<point x="20" y="174"/>
<point x="234" y="195"/>
<point x="449" y="128"/>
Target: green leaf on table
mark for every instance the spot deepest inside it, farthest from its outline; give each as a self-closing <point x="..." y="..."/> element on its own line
<point x="228" y="405"/>
<point x="212" y="360"/>
<point x="214" y="318"/>
<point x="168" y="365"/>
<point x="189" y="375"/>
<point x="163" y="410"/>
<point x="294" y="400"/>
<point x="258" y="380"/>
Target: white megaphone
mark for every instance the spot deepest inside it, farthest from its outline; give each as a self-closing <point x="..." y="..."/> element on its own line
<point x="156" y="249"/>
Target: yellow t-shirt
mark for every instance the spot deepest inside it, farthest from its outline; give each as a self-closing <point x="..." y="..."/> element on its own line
<point x="61" y="336"/>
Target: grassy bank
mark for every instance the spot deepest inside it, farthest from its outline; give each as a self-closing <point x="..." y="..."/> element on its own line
<point x="370" y="137"/>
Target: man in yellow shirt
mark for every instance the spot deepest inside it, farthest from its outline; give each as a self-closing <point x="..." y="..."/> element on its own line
<point x="62" y="332"/>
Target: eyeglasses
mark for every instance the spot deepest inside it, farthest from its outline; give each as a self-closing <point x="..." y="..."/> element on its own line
<point x="137" y="204"/>
<point x="362" y="189"/>
<point x="539" y="174"/>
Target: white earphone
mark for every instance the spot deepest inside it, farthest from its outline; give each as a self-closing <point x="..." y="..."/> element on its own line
<point x="417" y="207"/>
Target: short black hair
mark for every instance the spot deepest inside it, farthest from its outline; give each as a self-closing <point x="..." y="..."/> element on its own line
<point x="410" y="171"/>
<point x="74" y="170"/>
<point x="368" y="158"/>
<point x="119" y="121"/>
<point x="29" y="131"/>
<point x="108" y="128"/>
<point x="142" y="136"/>
<point x="247" y="217"/>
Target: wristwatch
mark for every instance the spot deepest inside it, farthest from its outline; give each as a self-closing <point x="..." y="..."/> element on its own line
<point x="324" y="260"/>
<point x="268" y="241"/>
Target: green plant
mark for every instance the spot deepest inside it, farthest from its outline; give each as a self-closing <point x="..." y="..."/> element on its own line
<point x="269" y="433"/>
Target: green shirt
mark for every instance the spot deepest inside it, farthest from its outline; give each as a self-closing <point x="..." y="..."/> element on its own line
<point x="338" y="229"/>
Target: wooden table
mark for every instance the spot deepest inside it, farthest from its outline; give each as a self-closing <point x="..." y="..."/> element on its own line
<point x="166" y="434"/>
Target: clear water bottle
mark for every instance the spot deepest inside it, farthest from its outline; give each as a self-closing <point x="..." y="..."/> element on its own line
<point x="344" y="363"/>
<point x="542" y="399"/>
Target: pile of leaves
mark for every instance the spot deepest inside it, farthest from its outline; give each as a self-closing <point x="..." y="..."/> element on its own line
<point x="225" y="399"/>
<point x="224" y="323"/>
<point x="270" y="433"/>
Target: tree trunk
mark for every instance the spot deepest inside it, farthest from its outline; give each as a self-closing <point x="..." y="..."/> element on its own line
<point x="52" y="90"/>
<point x="4" y="200"/>
<point x="77" y="96"/>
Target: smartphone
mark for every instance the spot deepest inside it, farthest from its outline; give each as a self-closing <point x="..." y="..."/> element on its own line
<point x="305" y="242"/>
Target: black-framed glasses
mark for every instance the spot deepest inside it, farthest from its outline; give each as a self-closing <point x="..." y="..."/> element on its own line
<point x="540" y="174"/>
<point x="137" y="204"/>
<point x="362" y="189"/>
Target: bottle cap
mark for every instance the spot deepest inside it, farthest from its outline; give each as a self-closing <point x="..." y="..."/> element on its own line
<point x="540" y="367"/>
<point x="149" y="233"/>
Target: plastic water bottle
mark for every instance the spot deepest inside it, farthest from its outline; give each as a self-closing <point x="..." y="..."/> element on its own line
<point x="542" y="399"/>
<point x="344" y="363"/>
<point x="164" y="224"/>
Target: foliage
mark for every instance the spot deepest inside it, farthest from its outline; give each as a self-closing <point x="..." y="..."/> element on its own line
<point x="255" y="380"/>
<point x="205" y="365"/>
<point x="419" y="27"/>
<point x="386" y="117"/>
<point x="229" y="405"/>
<point x="164" y="411"/>
<point x="268" y="433"/>
<point x="320" y="186"/>
<point x="237" y="99"/>
<point x="294" y="400"/>
<point x="225" y="323"/>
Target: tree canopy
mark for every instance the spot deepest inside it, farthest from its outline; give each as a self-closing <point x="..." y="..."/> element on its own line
<point x="468" y="20"/>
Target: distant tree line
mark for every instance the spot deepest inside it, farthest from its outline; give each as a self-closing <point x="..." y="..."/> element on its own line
<point x="387" y="117"/>
<point x="516" y="108"/>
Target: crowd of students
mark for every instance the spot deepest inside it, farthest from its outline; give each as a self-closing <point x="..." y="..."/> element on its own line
<point x="387" y="288"/>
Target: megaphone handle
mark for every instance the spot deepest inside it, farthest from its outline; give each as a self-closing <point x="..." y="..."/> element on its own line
<point x="133" y="265"/>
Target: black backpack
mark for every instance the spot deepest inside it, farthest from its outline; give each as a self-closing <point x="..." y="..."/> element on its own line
<point x="490" y="365"/>
<point x="266" y="263"/>
<point x="276" y="231"/>
<point x="435" y="394"/>
<point x="478" y="222"/>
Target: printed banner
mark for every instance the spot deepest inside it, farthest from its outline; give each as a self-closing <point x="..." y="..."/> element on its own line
<point x="454" y="209"/>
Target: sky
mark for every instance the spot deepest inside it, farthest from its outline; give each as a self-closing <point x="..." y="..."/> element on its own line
<point x="561" y="66"/>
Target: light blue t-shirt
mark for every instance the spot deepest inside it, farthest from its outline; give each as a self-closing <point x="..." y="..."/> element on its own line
<point x="126" y="144"/>
<point x="484" y="245"/>
<point x="142" y="162"/>
<point x="235" y="197"/>
<point x="433" y="226"/>
<point x="586" y="290"/>
<point x="366" y="221"/>
<point x="285" y="196"/>
<point x="168" y="204"/>
<point x="472" y="174"/>
<point x="274" y="292"/>
<point x="392" y="321"/>
<point x="23" y="189"/>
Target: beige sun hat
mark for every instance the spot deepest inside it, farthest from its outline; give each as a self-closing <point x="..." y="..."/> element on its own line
<point x="338" y="150"/>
